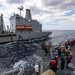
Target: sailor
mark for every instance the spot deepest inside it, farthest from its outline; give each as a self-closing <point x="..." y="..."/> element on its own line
<point x="69" y="43"/>
<point x="66" y="45"/>
<point x="63" y="49"/>
<point x="46" y="49"/>
<point x="56" y="58"/>
<point x="68" y="60"/>
<point x="56" y="51"/>
<point x="59" y="51"/>
<point x="68" y="52"/>
<point x="71" y="54"/>
<point x="49" y="46"/>
<point x="69" y="48"/>
<point x="53" y="64"/>
<point x="62" y="61"/>
<point x="43" y="45"/>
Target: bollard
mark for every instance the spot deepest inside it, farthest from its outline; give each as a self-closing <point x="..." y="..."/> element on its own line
<point x="37" y="69"/>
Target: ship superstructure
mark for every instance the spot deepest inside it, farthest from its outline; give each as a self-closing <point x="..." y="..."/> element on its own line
<point x="26" y="28"/>
<point x="19" y="23"/>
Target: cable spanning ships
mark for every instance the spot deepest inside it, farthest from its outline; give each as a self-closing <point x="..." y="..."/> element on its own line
<point x="24" y="28"/>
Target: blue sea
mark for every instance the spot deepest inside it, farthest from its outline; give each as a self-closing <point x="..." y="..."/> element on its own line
<point x="10" y="54"/>
<point x="59" y="36"/>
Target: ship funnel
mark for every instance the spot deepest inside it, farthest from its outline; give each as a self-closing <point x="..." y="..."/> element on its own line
<point x="28" y="14"/>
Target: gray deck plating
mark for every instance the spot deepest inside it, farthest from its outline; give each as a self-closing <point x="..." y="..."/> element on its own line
<point x="70" y="70"/>
<point x="46" y="60"/>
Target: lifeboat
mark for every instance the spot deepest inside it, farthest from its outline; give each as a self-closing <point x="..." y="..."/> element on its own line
<point x="28" y="27"/>
<point x="23" y="27"/>
<point x="20" y="27"/>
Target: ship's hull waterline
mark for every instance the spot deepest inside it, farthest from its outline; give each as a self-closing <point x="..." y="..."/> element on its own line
<point x="24" y="36"/>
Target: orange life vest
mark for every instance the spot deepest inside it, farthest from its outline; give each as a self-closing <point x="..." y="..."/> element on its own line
<point x="56" y="57"/>
<point x="53" y="63"/>
<point x="69" y="58"/>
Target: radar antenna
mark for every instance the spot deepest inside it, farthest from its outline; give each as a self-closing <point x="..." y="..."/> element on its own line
<point x="20" y="8"/>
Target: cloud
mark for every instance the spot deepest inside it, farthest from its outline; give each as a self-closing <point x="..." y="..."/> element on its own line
<point x="52" y="2"/>
<point x="68" y="5"/>
<point x="51" y="10"/>
<point x="65" y="24"/>
<point x="68" y="23"/>
<point x="15" y="1"/>
<point x="51" y="13"/>
<point x="60" y="4"/>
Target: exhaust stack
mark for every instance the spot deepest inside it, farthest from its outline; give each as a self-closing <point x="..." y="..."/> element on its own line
<point x="28" y="15"/>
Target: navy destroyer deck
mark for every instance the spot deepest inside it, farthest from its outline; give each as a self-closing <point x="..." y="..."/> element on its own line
<point x="68" y="71"/>
<point x="46" y="59"/>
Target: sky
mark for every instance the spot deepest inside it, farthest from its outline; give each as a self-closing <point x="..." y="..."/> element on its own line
<point x="52" y="14"/>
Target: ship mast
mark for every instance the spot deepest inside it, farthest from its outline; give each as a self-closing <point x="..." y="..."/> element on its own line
<point x="21" y="9"/>
<point x="2" y="31"/>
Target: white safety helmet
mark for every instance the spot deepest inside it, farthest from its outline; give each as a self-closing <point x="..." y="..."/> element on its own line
<point x="68" y="46"/>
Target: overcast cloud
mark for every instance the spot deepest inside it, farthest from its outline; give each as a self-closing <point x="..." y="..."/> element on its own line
<point x="15" y="1"/>
<point x="53" y="14"/>
<point x="60" y="4"/>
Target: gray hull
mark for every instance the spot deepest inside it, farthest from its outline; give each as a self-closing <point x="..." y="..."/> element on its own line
<point x="24" y="36"/>
<point x="33" y="35"/>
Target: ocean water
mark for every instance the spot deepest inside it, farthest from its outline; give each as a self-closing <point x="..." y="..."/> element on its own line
<point x="60" y="36"/>
<point x="10" y="54"/>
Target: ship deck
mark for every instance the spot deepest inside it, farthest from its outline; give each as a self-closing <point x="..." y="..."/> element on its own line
<point x="46" y="60"/>
<point x="65" y="71"/>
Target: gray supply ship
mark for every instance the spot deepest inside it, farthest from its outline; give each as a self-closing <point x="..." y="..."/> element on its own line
<point x="24" y="28"/>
